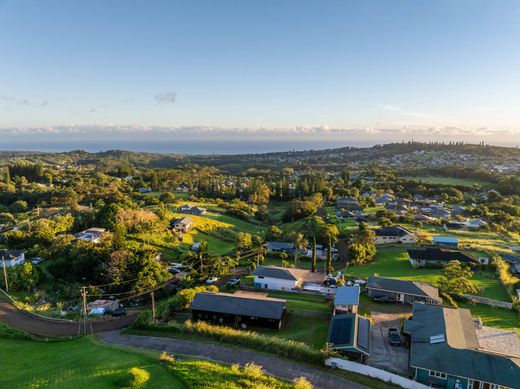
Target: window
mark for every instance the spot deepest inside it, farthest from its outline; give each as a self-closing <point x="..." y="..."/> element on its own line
<point x="437" y="374"/>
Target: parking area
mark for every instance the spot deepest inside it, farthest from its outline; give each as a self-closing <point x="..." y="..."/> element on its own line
<point x="382" y="354"/>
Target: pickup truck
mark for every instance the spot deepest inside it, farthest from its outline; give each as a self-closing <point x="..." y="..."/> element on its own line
<point x="394" y="337"/>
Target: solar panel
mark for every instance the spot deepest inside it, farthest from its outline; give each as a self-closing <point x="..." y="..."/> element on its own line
<point x="341" y="331"/>
<point x="363" y="339"/>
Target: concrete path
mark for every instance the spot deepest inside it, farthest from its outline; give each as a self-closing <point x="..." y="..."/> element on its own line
<point x="274" y="366"/>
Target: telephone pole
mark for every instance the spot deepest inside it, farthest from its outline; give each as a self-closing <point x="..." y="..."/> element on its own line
<point x="153" y="305"/>
<point x="5" y="276"/>
<point x="84" y="294"/>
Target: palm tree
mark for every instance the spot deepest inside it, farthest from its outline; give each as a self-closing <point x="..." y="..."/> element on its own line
<point x="258" y="246"/>
<point x="299" y="242"/>
<point x="314" y="227"/>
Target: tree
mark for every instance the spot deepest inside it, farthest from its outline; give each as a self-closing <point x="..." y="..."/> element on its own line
<point x="314" y="226"/>
<point x="243" y="241"/>
<point x="331" y="232"/>
<point x="283" y="257"/>
<point x="300" y="243"/>
<point x="28" y="276"/>
<point x="258" y="246"/>
<point x="154" y="181"/>
<point x="19" y="206"/>
<point x="7" y="175"/>
<point x="456" y="279"/>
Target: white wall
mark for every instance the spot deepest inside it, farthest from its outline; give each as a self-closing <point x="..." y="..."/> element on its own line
<point x="275" y="283"/>
<point x="375" y="373"/>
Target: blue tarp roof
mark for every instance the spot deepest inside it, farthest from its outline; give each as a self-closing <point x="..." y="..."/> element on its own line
<point x="445" y="239"/>
<point x="347" y="295"/>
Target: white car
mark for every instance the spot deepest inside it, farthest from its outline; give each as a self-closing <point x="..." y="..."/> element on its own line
<point x="211" y="280"/>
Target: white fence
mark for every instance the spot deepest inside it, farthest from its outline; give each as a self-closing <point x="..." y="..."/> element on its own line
<point x="487" y="301"/>
<point x="375" y="373"/>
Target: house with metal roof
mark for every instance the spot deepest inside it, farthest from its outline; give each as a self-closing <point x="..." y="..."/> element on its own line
<point x="10" y="257"/>
<point x="182" y="224"/>
<point x="433" y="256"/>
<point x="346" y="299"/>
<point x="279" y="247"/>
<point x="241" y="310"/>
<point x="402" y="291"/>
<point x="349" y="334"/>
<point x="449" y="349"/>
<point x="278" y="278"/>
<point x="446" y="241"/>
<point x="394" y="234"/>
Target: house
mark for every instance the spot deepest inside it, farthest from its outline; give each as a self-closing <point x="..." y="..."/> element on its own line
<point x="475" y="224"/>
<point x="91" y="235"/>
<point x="454" y="226"/>
<point x="346" y="299"/>
<point x="394" y="234"/>
<point x="402" y="291"/>
<point x="182" y="224"/>
<point x="144" y="190"/>
<point x="458" y="210"/>
<point x="193" y="210"/>
<point x="399" y="208"/>
<point x="449" y="349"/>
<point x="446" y="241"/>
<point x="240" y="310"/>
<point x="182" y="189"/>
<point x="12" y="257"/>
<point x="511" y="259"/>
<point x="349" y="334"/>
<point x="383" y="199"/>
<point x="433" y="256"/>
<point x="349" y="204"/>
<point x="278" y="278"/>
<point x="279" y="247"/>
<point x="436" y="211"/>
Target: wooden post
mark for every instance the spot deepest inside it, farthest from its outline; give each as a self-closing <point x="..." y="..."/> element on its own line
<point x="5" y="276"/>
<point x="153" y="305"/>
<point x="84" y="293"/>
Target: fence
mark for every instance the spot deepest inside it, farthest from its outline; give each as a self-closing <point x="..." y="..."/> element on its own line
<point x="375" y="373"/>
<point x="488" y="301"/>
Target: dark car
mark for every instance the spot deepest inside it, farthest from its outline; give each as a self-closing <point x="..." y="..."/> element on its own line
<point x="384" y="299"/>
<point x="118" y="312"/>
<point x="394" y="337"/>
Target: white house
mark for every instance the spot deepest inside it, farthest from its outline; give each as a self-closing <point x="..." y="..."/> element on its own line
<point x="12" y="257"/>
<point x="278" y="278"/>
<point x="91" y="235"/>
<point x="394" y="234"/>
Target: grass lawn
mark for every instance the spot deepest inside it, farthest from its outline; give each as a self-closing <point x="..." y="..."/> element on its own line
<point x="448" y="180"/>
<point x="299" y="302"/>
<point x="85" y="363"/>
<point x="494" y="317"/>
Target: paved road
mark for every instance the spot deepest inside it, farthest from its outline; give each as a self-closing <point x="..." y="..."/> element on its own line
<point x="32" y="324"/>
<point x="277" y="367"/>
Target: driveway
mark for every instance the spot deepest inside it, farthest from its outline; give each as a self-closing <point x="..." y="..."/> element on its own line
<point x="278" y="367"/>
<point x="382" y="354"/>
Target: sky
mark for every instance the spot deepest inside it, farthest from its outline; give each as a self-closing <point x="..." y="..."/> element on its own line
<point x="354" y="71"/>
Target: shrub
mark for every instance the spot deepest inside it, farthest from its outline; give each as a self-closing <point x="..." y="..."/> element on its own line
<point x="165" y="357"/>
<point x="302" y="383"/>
<point x="133" y="378"/>
<point x="450" y="300"/>
<point x="13" y="333"/>
<point x="144" y="318"/>
<point x="253" y="370"/>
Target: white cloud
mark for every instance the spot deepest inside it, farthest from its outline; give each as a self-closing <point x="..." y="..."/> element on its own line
<point x="166" y="97"/>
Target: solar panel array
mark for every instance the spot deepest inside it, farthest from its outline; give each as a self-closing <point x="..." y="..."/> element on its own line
<point x="363" y="339"/>
<point x="342" y="331"/>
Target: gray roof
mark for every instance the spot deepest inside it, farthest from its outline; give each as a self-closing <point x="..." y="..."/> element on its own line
<point x="347" y="295"/>
<point x="279" y="245"/>
<point x="403" y="286"/>
<point x="260" y="306"/>
<point x="283" y="273"/>
<point x="457" y="352"/>
<point x="8" y="254"/>
<point x="349" y="332"/>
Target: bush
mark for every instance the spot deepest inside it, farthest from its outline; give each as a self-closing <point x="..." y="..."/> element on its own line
<point x="13" y="333"/>
<point x="133" y="378"/>
<point x="144" y="318"/>
<point x="302" y="383"/>
<point x="253" y="370"/>
<point x="165" y="357"/>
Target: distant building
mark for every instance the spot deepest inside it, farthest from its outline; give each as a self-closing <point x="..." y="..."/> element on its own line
<point x="458" y="210"/>
<point x="346" y="299"/>
<point x="449" y="349"/>
<point x="182" y="224"/>
<point x="475" y="224"/>
<point x="279" y="247"/>
<point x="12" y="257"/>
<point x="437" y="257"/>
<point x="193" y="210"/>
<point x="278" y="278"/>
<point x="511" y="259"/>
<point x="91" y="235"/>
<point x="241" y="310"/>
<point x="144" y="190"/>
<point x="349" y="204"/>
<point x="402" y="291"/>
<point x="349" y="334"/>
<point x="394" y="234"/>
<point x="446" y="241"/>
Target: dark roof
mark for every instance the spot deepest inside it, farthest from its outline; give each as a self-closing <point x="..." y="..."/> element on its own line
<point x="282" y="273"/>
<point x="349" y="332"/>
<point x="8" y="254"/>
<point x="511" y="258"/>
<point x="456" y="350"/>
<point x="263" y="307"/>
<point x="392" y="231"/>
<point x="437" y="254"/>
<point x="279" y="245"/>
<point x="402" y="286"/>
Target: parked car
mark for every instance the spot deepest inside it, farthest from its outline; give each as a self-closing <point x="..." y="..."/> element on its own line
<point x="394" y="337"/>
<point x="384" y="299"/>
<point x="118" y="312"/>
<point x="211" y="280"/>
<point x="233" y="282"/>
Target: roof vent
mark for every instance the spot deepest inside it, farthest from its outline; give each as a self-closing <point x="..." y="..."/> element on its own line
<point x="434" y="339"/>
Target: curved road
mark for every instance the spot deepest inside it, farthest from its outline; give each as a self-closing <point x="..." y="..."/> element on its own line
<point x="278" y="367"/>
<point x="16" y="318"/>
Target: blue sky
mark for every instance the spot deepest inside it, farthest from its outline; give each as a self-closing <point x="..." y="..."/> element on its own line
<point x="267" y="64"/>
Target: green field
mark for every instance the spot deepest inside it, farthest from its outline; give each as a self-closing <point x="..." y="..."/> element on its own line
<point x="448" y="180"/>
<point x="85" y="363"/>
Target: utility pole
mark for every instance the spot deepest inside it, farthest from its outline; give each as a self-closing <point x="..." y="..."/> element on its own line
<point x="84" y="294"/>
<point x="5" y="276"/>
<point x="153" y="305"/>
